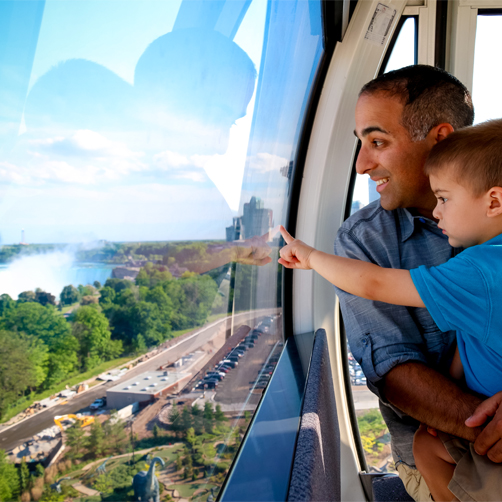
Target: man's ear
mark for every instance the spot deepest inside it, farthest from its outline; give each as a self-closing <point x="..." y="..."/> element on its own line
<point x="441" y="131"/>
<point x="494" y="201"/>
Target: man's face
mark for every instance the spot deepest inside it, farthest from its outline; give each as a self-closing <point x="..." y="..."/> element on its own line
<point x="390" y="157"/>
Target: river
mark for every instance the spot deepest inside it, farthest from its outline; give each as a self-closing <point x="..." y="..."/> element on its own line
<point x="50" y="272"/>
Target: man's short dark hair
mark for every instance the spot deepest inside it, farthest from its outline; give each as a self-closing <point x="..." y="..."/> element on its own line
<point x="430" y="97"/>
<point x="473" y="156"/>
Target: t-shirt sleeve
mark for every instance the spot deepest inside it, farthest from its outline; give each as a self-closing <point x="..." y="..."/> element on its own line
<point x="456" y="295"/>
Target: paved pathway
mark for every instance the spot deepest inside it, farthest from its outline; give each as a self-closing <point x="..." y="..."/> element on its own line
<point x="86" y="491"/>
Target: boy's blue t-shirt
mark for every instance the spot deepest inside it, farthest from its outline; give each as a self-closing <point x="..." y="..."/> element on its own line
<point x="465" y="294"/>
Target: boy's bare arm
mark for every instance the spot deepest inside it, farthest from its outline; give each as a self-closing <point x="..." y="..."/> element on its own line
<point x="354" y="276"/>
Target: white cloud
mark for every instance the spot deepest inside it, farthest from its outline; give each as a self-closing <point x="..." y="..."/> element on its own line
<point x="266" y="162"/>
<point x="88" y="144"/>
<point x="169" y="160"/>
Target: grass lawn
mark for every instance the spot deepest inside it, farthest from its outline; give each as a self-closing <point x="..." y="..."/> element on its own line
<point x="95" y="498"/>
<point x="81" y="377"/>
<point x="186" y="490"/>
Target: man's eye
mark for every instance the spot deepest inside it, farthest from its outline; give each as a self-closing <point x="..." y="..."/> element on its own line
<point x="377" y="142"/>
<point x="442" y="200"/>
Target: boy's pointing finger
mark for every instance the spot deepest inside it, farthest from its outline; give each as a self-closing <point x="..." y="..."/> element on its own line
<point x="286" y="235"/>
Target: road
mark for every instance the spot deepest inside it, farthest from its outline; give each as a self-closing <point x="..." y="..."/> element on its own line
<point x="10" y="437"/>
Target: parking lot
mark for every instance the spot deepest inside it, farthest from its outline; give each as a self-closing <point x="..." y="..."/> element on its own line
<point x="246" y="381"/>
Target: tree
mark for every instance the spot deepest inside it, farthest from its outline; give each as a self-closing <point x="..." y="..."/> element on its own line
<point x="6" y="303"/>
<point x="107" y="296"/>
<point x="24" y="477"/>
<point x="75" y="440"/>
<point x="69" y="295"/>
<point x="45" y="298"/>
<point x="191" y="438"/>
<point x="89" y="300"/>
<point x="219" y="415"/>
<point x="179" y="463"/>
<point x="188" y="473"/>
<point x="197" y="420"/>
<point x="92" y="331"/>
<point x="17" y="372"/>
<point x="175" y="418"/>
<point x="115" y="435"/>
<point x="208" y="417"/>
<point x="156" y="430"/>
<point x="97" y="284"/>
<point x="9" y="479"/>
<point x="26" y="296"/>
<point x="96" y="441"/>
<point x="39" y="471"/>
<point x="104" y="484"/>
<point x="186" y="419"/>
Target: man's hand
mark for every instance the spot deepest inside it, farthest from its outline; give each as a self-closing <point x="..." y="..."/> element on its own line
<point x="296" y="254"/>
<point x="489" y="441"/>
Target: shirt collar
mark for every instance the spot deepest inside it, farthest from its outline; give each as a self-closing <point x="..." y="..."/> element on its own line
<point x="409" y="220"/>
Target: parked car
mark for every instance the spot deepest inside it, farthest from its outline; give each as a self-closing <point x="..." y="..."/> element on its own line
<point x="98" y="403"/>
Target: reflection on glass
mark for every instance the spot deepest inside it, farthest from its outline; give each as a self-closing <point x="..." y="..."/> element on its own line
<point x="374" y="434"/>
<point x="146" y="148"/>
<point x="485" y="91"/>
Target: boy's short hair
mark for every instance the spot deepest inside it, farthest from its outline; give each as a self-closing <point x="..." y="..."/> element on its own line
<point x="473" y="156"/>
<point x="430" y="96"/>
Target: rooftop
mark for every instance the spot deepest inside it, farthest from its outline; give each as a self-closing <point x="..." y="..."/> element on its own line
<point x="150" y="382"/>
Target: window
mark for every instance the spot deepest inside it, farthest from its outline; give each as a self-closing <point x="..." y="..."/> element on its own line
<point x="486" y="75"/>
<point x="146" y="159"/>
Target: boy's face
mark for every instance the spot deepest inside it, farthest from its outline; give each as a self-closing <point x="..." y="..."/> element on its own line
<point x="461" y="214"/>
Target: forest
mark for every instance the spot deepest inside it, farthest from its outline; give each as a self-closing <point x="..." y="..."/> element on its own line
<point x="39" y="347"/>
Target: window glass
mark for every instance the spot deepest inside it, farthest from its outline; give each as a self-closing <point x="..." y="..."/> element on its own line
<point x="403" y="54"/>
<point x="147" y="149"/>
<point x="486" y="76"/>
<point x="374" y="434"/>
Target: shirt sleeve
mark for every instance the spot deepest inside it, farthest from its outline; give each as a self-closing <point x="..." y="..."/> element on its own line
<point x="382" y="336"/>
<point x="456" y="295"/>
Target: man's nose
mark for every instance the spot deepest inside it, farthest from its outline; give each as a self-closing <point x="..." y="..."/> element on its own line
<point x="365" y="163"/>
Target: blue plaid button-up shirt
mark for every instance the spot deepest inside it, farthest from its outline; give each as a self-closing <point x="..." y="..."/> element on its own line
<point x="380" y="335"/>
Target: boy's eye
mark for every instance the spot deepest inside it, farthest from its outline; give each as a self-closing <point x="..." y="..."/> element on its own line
<point x="442" y="200"/>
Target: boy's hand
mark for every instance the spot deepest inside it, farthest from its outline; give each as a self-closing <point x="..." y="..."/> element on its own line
<point x="296" y="254"/>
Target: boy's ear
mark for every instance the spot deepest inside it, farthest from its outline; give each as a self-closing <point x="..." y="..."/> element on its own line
<point x="495" y="202"/>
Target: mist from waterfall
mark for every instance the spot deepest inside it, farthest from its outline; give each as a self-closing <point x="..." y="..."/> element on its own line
<point x="50" y="272"/>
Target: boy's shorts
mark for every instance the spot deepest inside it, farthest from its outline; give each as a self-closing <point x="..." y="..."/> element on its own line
<point x="476" y="477"/>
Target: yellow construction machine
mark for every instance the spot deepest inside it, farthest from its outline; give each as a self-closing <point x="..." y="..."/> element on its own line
<point x="83" y="419"/>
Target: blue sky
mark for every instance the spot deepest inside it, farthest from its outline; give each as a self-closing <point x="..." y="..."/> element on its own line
<point x="114" y="155"/>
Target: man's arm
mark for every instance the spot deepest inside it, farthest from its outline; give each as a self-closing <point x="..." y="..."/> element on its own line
<point x="431" y="398"/>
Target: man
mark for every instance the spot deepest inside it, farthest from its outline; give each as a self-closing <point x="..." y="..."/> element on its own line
<point x="400" y="116"/>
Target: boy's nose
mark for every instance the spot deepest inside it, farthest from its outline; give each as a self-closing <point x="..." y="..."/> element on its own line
<point x="436" y="213"/>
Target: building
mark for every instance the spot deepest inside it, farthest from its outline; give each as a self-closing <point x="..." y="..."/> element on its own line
<point x="234" y="230"/>
<point x="145" y="387"/>
<point x="256" y="220"/>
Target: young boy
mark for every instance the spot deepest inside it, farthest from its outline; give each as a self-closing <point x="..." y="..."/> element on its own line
<point x="464" y="294"/>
